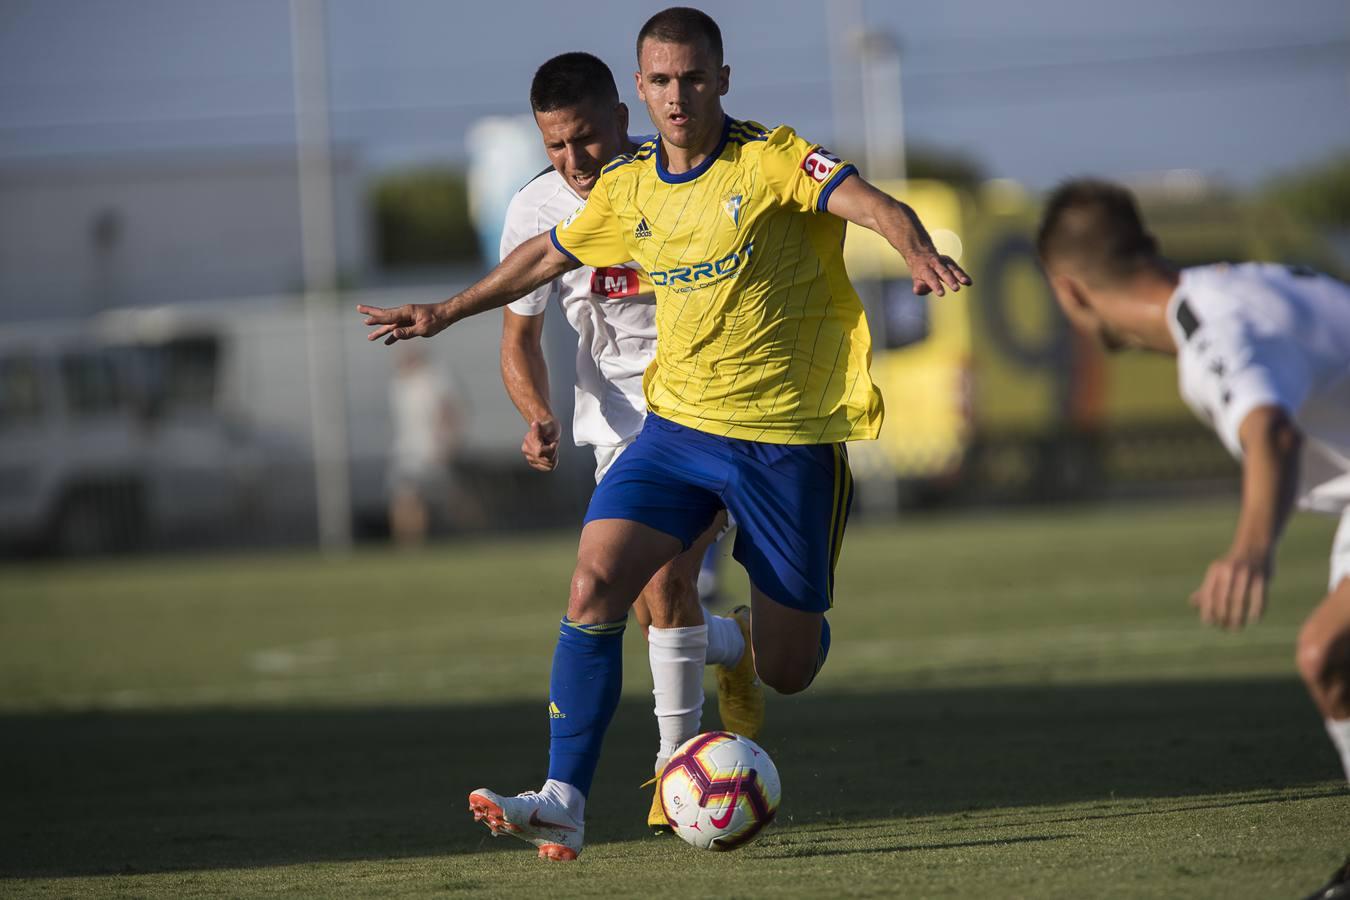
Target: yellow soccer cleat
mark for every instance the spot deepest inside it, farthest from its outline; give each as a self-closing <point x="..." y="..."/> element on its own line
<point x="656" y="816"/>
<point x="740" y="696"/>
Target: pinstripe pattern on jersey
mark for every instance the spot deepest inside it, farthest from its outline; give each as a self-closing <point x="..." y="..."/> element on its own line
<point x="761" y="335"/>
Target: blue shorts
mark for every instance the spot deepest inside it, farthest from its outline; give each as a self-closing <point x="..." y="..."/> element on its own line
<point x="790" y="502"/>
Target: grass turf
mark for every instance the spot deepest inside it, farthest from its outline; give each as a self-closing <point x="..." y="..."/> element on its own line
<point x="1017" y="704"/>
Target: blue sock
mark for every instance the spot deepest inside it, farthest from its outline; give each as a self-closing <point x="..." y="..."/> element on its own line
<point x="583" y="694"/>
<point x="824" y="646"/>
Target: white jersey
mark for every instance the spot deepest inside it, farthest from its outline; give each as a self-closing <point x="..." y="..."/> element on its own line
<point x="614" y="319"/>
<point x="1257" y="335"/>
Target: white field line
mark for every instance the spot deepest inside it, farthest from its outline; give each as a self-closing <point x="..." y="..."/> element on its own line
<point x="306" y="669"/>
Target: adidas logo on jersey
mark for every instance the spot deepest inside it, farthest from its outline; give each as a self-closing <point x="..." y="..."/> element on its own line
<point x="642" y="231"/>
<point x="555" y="713"/>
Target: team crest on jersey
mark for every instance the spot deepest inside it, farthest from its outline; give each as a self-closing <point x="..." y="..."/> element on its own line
<point x="731" y="205"/>
<point x="642" y="231"/>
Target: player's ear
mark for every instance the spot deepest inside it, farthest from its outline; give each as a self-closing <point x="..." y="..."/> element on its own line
<point x="621" y="117"/>
<point x="723" y="81"/>
<point x="1072" y="298"/>
<point x="1068" y="293"/>
<point x="637" y="81"/>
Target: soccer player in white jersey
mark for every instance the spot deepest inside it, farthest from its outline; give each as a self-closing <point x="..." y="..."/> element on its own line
<point x="583" y="125"/>
<point x="1263" y="358"/>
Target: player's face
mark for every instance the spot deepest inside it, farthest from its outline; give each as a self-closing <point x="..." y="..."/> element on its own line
<point x="580" y="139"/>
<point x="683" y="86"/>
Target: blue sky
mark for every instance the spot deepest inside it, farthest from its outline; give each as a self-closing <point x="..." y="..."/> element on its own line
<point x="1036" y="90"/>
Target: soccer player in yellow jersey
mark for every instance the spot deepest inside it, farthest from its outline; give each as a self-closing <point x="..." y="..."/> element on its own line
<point x="760" y="376"/>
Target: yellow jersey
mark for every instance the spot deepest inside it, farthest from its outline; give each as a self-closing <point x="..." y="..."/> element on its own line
<point x="760" y="335"/>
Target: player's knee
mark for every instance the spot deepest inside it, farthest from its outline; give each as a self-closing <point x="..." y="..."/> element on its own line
<point x="591" y="594"/>
<point x="784" y="676"/>
<point x="788" y="682"/>
<point x="1323" y="658"/>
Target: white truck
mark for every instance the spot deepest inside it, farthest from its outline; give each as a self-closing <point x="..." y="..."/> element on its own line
<point x="192" y="424"/>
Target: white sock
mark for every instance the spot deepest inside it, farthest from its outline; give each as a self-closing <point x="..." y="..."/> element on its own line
<point x="1339" y="730"/>
<point x="677" y="658"/>
<point x="706" y="584"/>
<point x="725" y="641"/>
<point x="573" y="800"/>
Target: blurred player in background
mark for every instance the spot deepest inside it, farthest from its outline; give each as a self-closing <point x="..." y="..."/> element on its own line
<point x="760" y="377"/>
<point x="426" y="421"/>
<point x="1263" y="358"/>
<point x="584" y="126"/>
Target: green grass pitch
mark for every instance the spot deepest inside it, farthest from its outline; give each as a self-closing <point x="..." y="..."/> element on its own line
<point x="1018" y="704"/>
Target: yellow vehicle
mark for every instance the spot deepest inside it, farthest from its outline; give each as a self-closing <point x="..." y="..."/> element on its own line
<point x="989" y="390"/>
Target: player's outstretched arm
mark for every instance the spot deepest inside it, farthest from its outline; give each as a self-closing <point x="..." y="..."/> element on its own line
<point x="1234" y="590"/>
<point x="862" y="204"/>
<point x="525" y="375"/>
<point x="527" y="267"/>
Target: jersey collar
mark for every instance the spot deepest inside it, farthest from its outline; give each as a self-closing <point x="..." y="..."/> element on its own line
<point x="701" y="167"/>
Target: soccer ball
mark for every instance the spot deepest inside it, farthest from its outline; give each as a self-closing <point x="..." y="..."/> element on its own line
<point x="720" y="790"/>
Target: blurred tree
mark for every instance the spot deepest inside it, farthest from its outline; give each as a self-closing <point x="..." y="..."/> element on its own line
<point x="422" y="219"/>
<point x="1319" y="194"/>
<point x="952" y="166"/>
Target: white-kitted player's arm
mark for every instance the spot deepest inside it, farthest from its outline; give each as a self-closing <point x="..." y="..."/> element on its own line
<point x="525" y="375"/>
<point x="524" y="368"/>
<point x="1233" y="593"/>
<point x="1250" y="384"/>
<point x="530" y="265"/>
<point x="862" y="204"/>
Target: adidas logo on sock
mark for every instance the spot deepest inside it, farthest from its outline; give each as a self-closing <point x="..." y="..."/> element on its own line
<point x="642" y="231"/>
<point x="555" y="713"/>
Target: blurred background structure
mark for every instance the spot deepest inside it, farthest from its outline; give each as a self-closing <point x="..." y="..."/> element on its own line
<point x="194" y="196"/>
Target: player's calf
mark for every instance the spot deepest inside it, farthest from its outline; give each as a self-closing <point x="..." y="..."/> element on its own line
<point x="671" y="598"/>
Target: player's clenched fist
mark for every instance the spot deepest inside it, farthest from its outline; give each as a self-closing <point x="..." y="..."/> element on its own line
<point x="541" y="445"/>
<point x="401" y="323"/>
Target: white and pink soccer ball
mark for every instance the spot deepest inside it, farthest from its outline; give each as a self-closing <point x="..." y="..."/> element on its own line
<point x="720" y="790"/>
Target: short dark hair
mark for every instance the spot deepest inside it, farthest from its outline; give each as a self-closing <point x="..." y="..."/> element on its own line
<point x="1095" y="228"/>
<point x="571" y="80"/>
<point x="682" y="25"/>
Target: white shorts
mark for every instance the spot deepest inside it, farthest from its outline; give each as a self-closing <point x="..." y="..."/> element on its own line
<point x="605" y="454"/>
<point x="1340" y="552"/>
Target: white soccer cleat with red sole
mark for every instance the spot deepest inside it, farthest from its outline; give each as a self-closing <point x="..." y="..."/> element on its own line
<point x="537" y="820"/>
